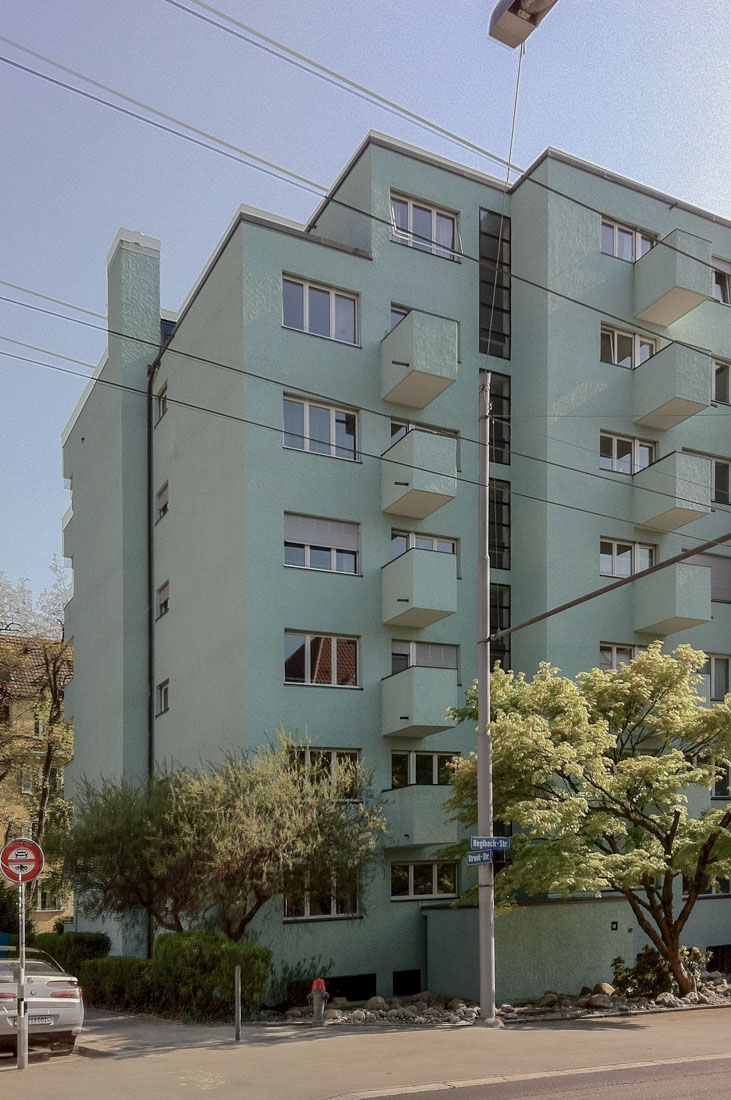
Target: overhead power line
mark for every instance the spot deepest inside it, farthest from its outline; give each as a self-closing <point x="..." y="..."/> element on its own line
<point x="458" y="478"/>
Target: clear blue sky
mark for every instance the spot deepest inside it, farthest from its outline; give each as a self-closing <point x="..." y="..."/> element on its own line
<point x="638" y="86"/>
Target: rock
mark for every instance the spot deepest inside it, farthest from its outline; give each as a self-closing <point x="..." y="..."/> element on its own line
<point x="455" y="1003"/>
<point x="358" y="1016"/>
<point x="375" y="1004"/>
<point x="603" y="987"/>
<point x="293" y="1014"/>
<point x="586" y="991"/>
<point x="600" y="1000"/>
<point x="665" y="1000"/>
<point x="452" y="1018"/>
<point x="393" y="1013"/>
<point x="339" y="1002"/>
<point x="333" y="1014"/>
<point x="548" y="1000"/>
<point x="583" y="1001"/>
<point x="505" y="1008"/>
<point x="421" y="1007"/>
<point x="715" y="975"/>
<point x="690" y="998"/>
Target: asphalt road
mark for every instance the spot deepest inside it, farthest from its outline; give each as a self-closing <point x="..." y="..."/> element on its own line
<point x="669" y="1055"/>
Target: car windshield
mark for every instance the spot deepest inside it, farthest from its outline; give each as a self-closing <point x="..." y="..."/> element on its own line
<point x="36" y="962"/>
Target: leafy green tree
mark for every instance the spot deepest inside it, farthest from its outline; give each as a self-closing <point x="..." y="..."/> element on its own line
<point x="596" y="773"/>
<point x="212" y="846"/>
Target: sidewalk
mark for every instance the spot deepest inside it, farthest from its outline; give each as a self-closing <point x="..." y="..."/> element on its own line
<point x="160" y="1059"/>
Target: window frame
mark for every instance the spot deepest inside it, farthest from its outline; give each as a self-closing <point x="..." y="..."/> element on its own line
<point x="635" y="443"/>
<point x="334" y="293"/>
<point x="719" y="366"/>
<point x="721" y="280"/>
<point x="411" y="755"/>
<point x="162" y="502"/>
<point x="162" y="697"/>
<point x="161" y="403"/>
<point x="710" y="665"/>
<point x="614" y="647"/>
<point x="720" y="496"/>
<point x="638" y="235"/>
<point x="412" y="536"/>
<point x="306" y="437"/>
<point x="308" y="681"/>
<point x="162" y="599"/>
<point x="499" y="504"/>
<point x="430" y="246"/>
<point x="637" y="339"/>
<point x="636" y="548"/>
<point x="411" y="655"/>
<point x="411" y="864"/>
<point x="332" y="915"/>
<point x="26" y="782"/>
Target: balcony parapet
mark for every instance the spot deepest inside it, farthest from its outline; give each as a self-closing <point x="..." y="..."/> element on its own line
<point x="671" y="386"/>
<point x="418" y="359"/>
<point x="419" y="588"/>
<point x="672" y="278"/>
<point x="418" y="474"/>
<point x="414" y="702"/>
<point x="672" y="492"/>
<point x="672" y="599"/>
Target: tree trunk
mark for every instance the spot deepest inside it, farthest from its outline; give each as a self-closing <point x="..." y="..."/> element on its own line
<point x="682" y="977"/>
<point x="45" y="789"/>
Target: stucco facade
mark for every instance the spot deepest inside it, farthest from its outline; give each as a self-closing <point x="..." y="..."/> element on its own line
<point x="251" y="421"/>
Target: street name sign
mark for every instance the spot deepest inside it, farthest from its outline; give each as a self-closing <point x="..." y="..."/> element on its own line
<point x="474" y="858"/>
<point x="489" y="843"/>
<point x="21" y="860"/>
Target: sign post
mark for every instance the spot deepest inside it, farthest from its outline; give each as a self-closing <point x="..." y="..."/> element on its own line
<point x="21" y="861"/>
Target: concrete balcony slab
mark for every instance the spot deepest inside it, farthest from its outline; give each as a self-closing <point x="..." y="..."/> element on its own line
<point x="672" y="492"/>
<point x="418" y="359"/>
<point x="672" y="599"/>
<point x="672" y="386"/>
<point x="419" y="588"/>
<point x="672" y="278"/>
<point x="414" y="702"/>
<point x="416" y="817"/>
<point x="418" y="474"/>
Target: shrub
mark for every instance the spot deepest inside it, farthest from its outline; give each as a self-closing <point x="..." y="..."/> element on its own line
<point x="651" y="973"/>
<point x="121" y="984"/>
<point x="289" y="985"/>
<point x="193" y="973"/>
<point x="72" y="949"/>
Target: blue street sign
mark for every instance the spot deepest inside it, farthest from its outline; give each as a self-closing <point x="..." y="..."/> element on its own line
<point x="489" y="843"/>
<point x="478" y="857"/>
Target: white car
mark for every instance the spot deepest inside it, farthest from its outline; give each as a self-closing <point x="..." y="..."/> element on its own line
<point x="54" y="1003"/>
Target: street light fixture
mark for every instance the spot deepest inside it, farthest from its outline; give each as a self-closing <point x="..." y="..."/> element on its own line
<point x="513" y="20"/>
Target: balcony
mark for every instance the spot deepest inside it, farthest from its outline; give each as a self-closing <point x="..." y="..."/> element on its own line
<point x="414" y="702"/>
<point x="418" y="359"/>
<point x="419" y="588"/>
<point x="67" y="533"/>
<point x="669" y="284"/>
<point x="426" y="480"/>
<point x="670" y="387"/>
<point x="672" y="492"/>
<point x="673" y="599"/>
<point x="415" y="817"/>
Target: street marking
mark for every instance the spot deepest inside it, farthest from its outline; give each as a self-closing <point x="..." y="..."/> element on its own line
<point x="503" y="1079"/>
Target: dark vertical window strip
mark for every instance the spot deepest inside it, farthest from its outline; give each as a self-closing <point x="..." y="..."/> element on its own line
<point x="495" y="284"/>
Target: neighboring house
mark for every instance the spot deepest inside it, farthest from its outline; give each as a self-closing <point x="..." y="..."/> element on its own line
<point x="296" y="544"/>
<point x="26" y="664"/>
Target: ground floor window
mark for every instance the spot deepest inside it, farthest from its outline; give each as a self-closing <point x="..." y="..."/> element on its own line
<point x="424" y="769"/>
<point x="423" y="880"/>
<point x="326" y="900"/>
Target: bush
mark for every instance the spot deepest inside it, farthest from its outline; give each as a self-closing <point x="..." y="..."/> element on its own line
<point x="289" y="985"/>
<point x="651" y="974"/>
<point x="72" y="949"/>
<point x="193" y="973"/>
<point x="121" y="984"/>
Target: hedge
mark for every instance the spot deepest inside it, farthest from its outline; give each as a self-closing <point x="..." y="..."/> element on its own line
<point x="71" y="949"/>
<point x="190" y="975"/>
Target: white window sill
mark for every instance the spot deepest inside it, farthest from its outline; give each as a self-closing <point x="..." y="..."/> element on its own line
<point x="426" y="897"/>
<point x="438" y="253"/>
<point x="331" y="687"/>
<point x="319" y="336"/>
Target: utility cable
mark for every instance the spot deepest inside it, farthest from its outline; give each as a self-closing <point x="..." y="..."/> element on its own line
<point x="458" y="478"/>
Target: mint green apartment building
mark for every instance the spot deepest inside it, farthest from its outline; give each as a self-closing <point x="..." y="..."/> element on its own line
<point x="274" y="510"/>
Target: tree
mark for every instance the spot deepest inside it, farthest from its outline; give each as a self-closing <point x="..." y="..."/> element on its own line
<point x="36" y="663"/>
<point x="596" y="775"/>
<point x="213" y="845"/>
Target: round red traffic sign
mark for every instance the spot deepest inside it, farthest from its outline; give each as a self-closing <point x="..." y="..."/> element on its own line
<point x="21" y="860"/>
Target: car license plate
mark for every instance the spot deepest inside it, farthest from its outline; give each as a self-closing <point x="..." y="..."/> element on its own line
<point x="40" y="1019"/>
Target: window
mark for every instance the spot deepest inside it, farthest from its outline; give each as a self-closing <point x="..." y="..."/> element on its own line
<point x="167" y="328"/>
<point x="161" y="402"/>
<point x="495" y="263"/>
<point x="326" y="762"/>
<point x="397" y="315"/>
<point x="623" y="242"/>
<point x="717" y="669"/>
<point x="4" y="714"/>
<point x="327" y="544"/>
<point x="623" y="455"/>
<point x="37" y="725"/>
<point x="500" y="620"/>
<point x="423" y="769"/>
<point x="163" y="697"/>
<point x="330" y="900"/>
<point x="423" y="880"/>
<point x="422" y="655"/>
<point x="710" y="885"/>
<point x="319" y="310"/>
<point x="622" y="559"/>
<point x="163" y="599"/>
<point x="424" y="227"/>
<point x="499" y="524"/>
<point x="720" y="568"/>
<point x="614" y="656"/>
<point x="26" y="783"/>
<point x="499" y="418"/>
<point x="721" y="479"/>
<point x="401" y="541"/>
<point x="320" y="659"/>
<point x="161" y="501"/>
<point x="722" y="786"/>
<point x="48" y="899"/>
<point x="721" y="280"/>
<point x="721" y="382"/>
<point x="625" y="349"/>
<point x="320" y="429"/>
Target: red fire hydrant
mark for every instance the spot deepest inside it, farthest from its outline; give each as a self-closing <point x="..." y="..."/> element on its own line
<point x="318" y="999"/>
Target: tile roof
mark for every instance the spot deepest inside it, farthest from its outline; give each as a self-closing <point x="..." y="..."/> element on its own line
<point x="22" y="665"/>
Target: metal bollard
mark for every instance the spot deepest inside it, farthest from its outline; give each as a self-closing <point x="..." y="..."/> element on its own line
<point x="318" y="998"/>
